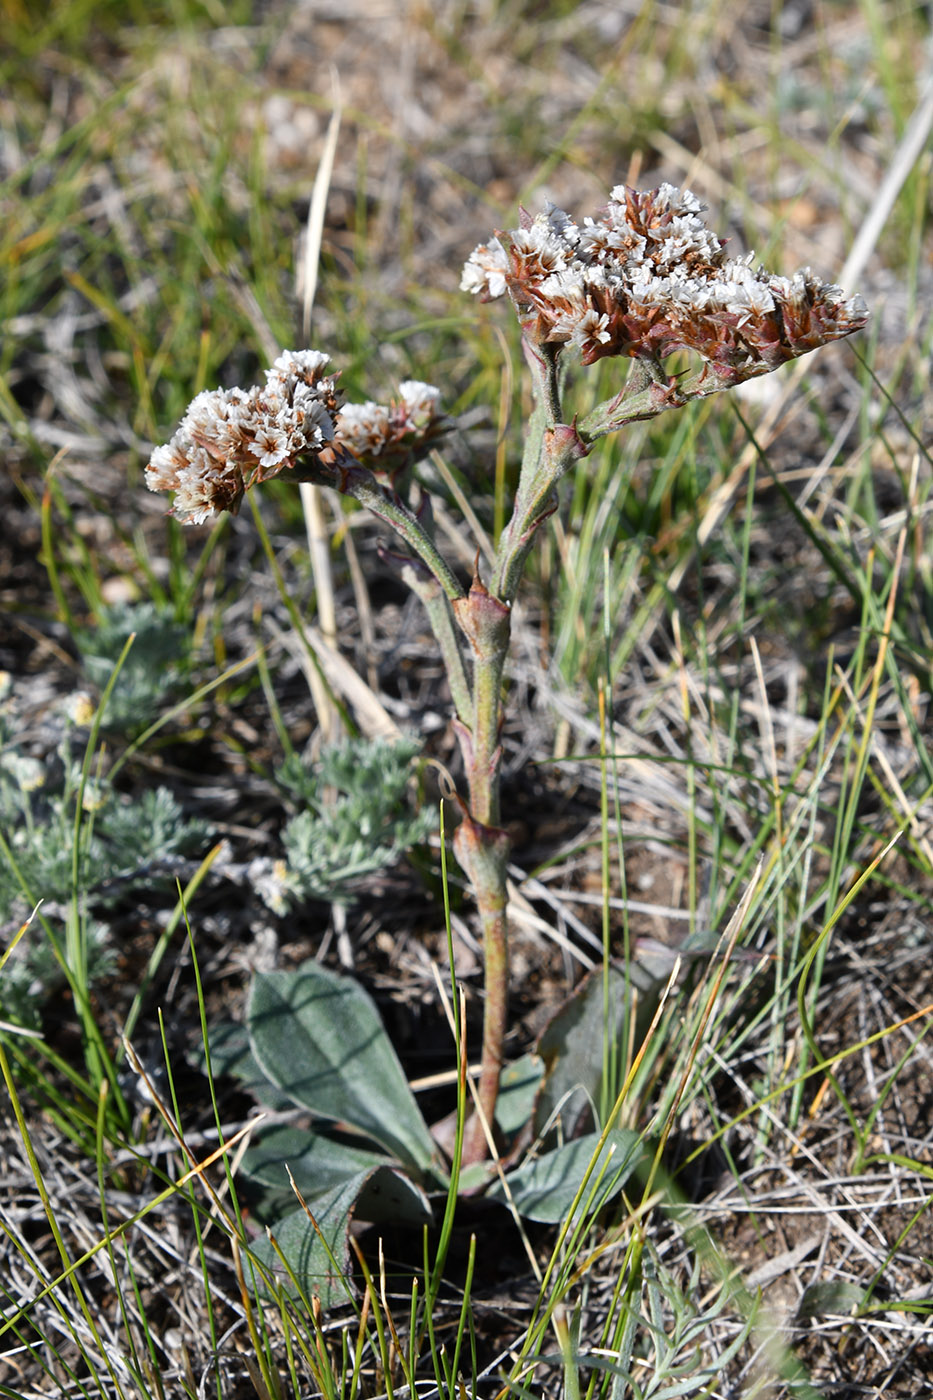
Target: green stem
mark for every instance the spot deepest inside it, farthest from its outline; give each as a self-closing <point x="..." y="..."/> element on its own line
<point x="483" y="774"/>
<point x="485" y="618"/>
<point x="550" y="452"/>
<point x="440" y="615"/>
<point x="389" y="508"/>
<point x="359" y="483"/>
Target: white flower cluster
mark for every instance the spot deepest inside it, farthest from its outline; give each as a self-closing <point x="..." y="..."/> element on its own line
<point x="386" y="437"/>
<point x="669" y="241"/>
<point x="648" y="277"/>
<point x="230" y="438"/>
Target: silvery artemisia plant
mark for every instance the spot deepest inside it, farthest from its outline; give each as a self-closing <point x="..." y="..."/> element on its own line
<point x="643" y="279"/>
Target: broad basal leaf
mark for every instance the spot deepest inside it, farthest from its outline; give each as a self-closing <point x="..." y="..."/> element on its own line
<point x="318" y="1036"/>
<point x="316" y="1163"/>
<point x="571" y="1045"/>
<point x="544" y="1188"/>
<point x="315" y="1242"/>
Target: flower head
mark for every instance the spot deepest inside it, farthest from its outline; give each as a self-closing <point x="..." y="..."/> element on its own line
<point x="647" y="277"/>
<point x="229" y="439"/>
<point x="387" y="438"/>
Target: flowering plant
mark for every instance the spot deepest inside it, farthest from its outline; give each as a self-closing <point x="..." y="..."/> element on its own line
<point x="643" y="279"/>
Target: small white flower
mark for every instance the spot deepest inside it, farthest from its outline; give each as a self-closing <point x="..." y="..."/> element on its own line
<point x="298" y="364"/>
<point x="485" y="269"/>
<point x="362" y="428"/>
<point x="420" y="400"/>
<point x="270" y="445"/>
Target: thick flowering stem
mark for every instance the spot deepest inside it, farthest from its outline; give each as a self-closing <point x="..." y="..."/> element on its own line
<point x="486" y="622"/>
<point x="485" y="618"/>
<point x="483" y="853"/>
<point x="480" y="845"/>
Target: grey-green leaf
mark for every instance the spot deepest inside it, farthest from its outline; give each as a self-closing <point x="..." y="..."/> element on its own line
<point x="230" y="1054"/>
<point x="318" y="1037"/>
<point x="317" y="1251"/>
<point x="571" y="1044"/>
<point x="544" y="1188"/>
<point x="518" y="1087"/>
<point x="827" y="1297"/>
<point x="316" y="1163"/>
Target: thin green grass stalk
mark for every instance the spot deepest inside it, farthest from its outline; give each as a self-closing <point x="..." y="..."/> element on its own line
<point x="236" y="1227"/>
<point x="622" y="1316"/>
<point x="71" y="1267"/>
<point x="759" y="843"/>
<point x="185" y="578"/>
<point x="128" y="1331"/>
<point x="53" y="1287"/>
<point x="72" y="957"/>
<point x="48" y="557"/>
<point x="771" y="891"/>
<point x="434" y="1277"/>
<point x="788" y="958"/>
<point x="583" y="1224"/>
<point x="466" y="1316"/>
<point x="697" y="1036"/>
<point x="16" y="1310"/>
<point x="627" y="949"/>
<point x="740" y="603"/>
<point x="185" y="897"/>
<point x="597" y="502"/>
<point x="898" y="807"/>
<point x="54" y="1377"/>
<point x="63" y="541"/>
<point x="690" y="776"/>
<point x="314" y="1347"/>
<point x="816" y="955"/>
<point x="920" y="1305"/>
<point x="436" y="1353"/>
<point x="812" y="1070"/>
<point x="361" y="1342"/>
<point x="268" y="1377"/>
<point x="398" y="1347"/>
<point x="382" y="1348"/>
<point x="182" y="707"/>
<point x="547" y="1293"/>
<point x="568" y="1340"/>
<point x="411" y="1356"/>
<point x="189" y="1193"/>
<point x="74" y="1119"/>
<point x="268" y="690"/>
<point x="863" y="1137"/>
<point x="101" y="1064"/>
<point x="319" y="1360"/>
